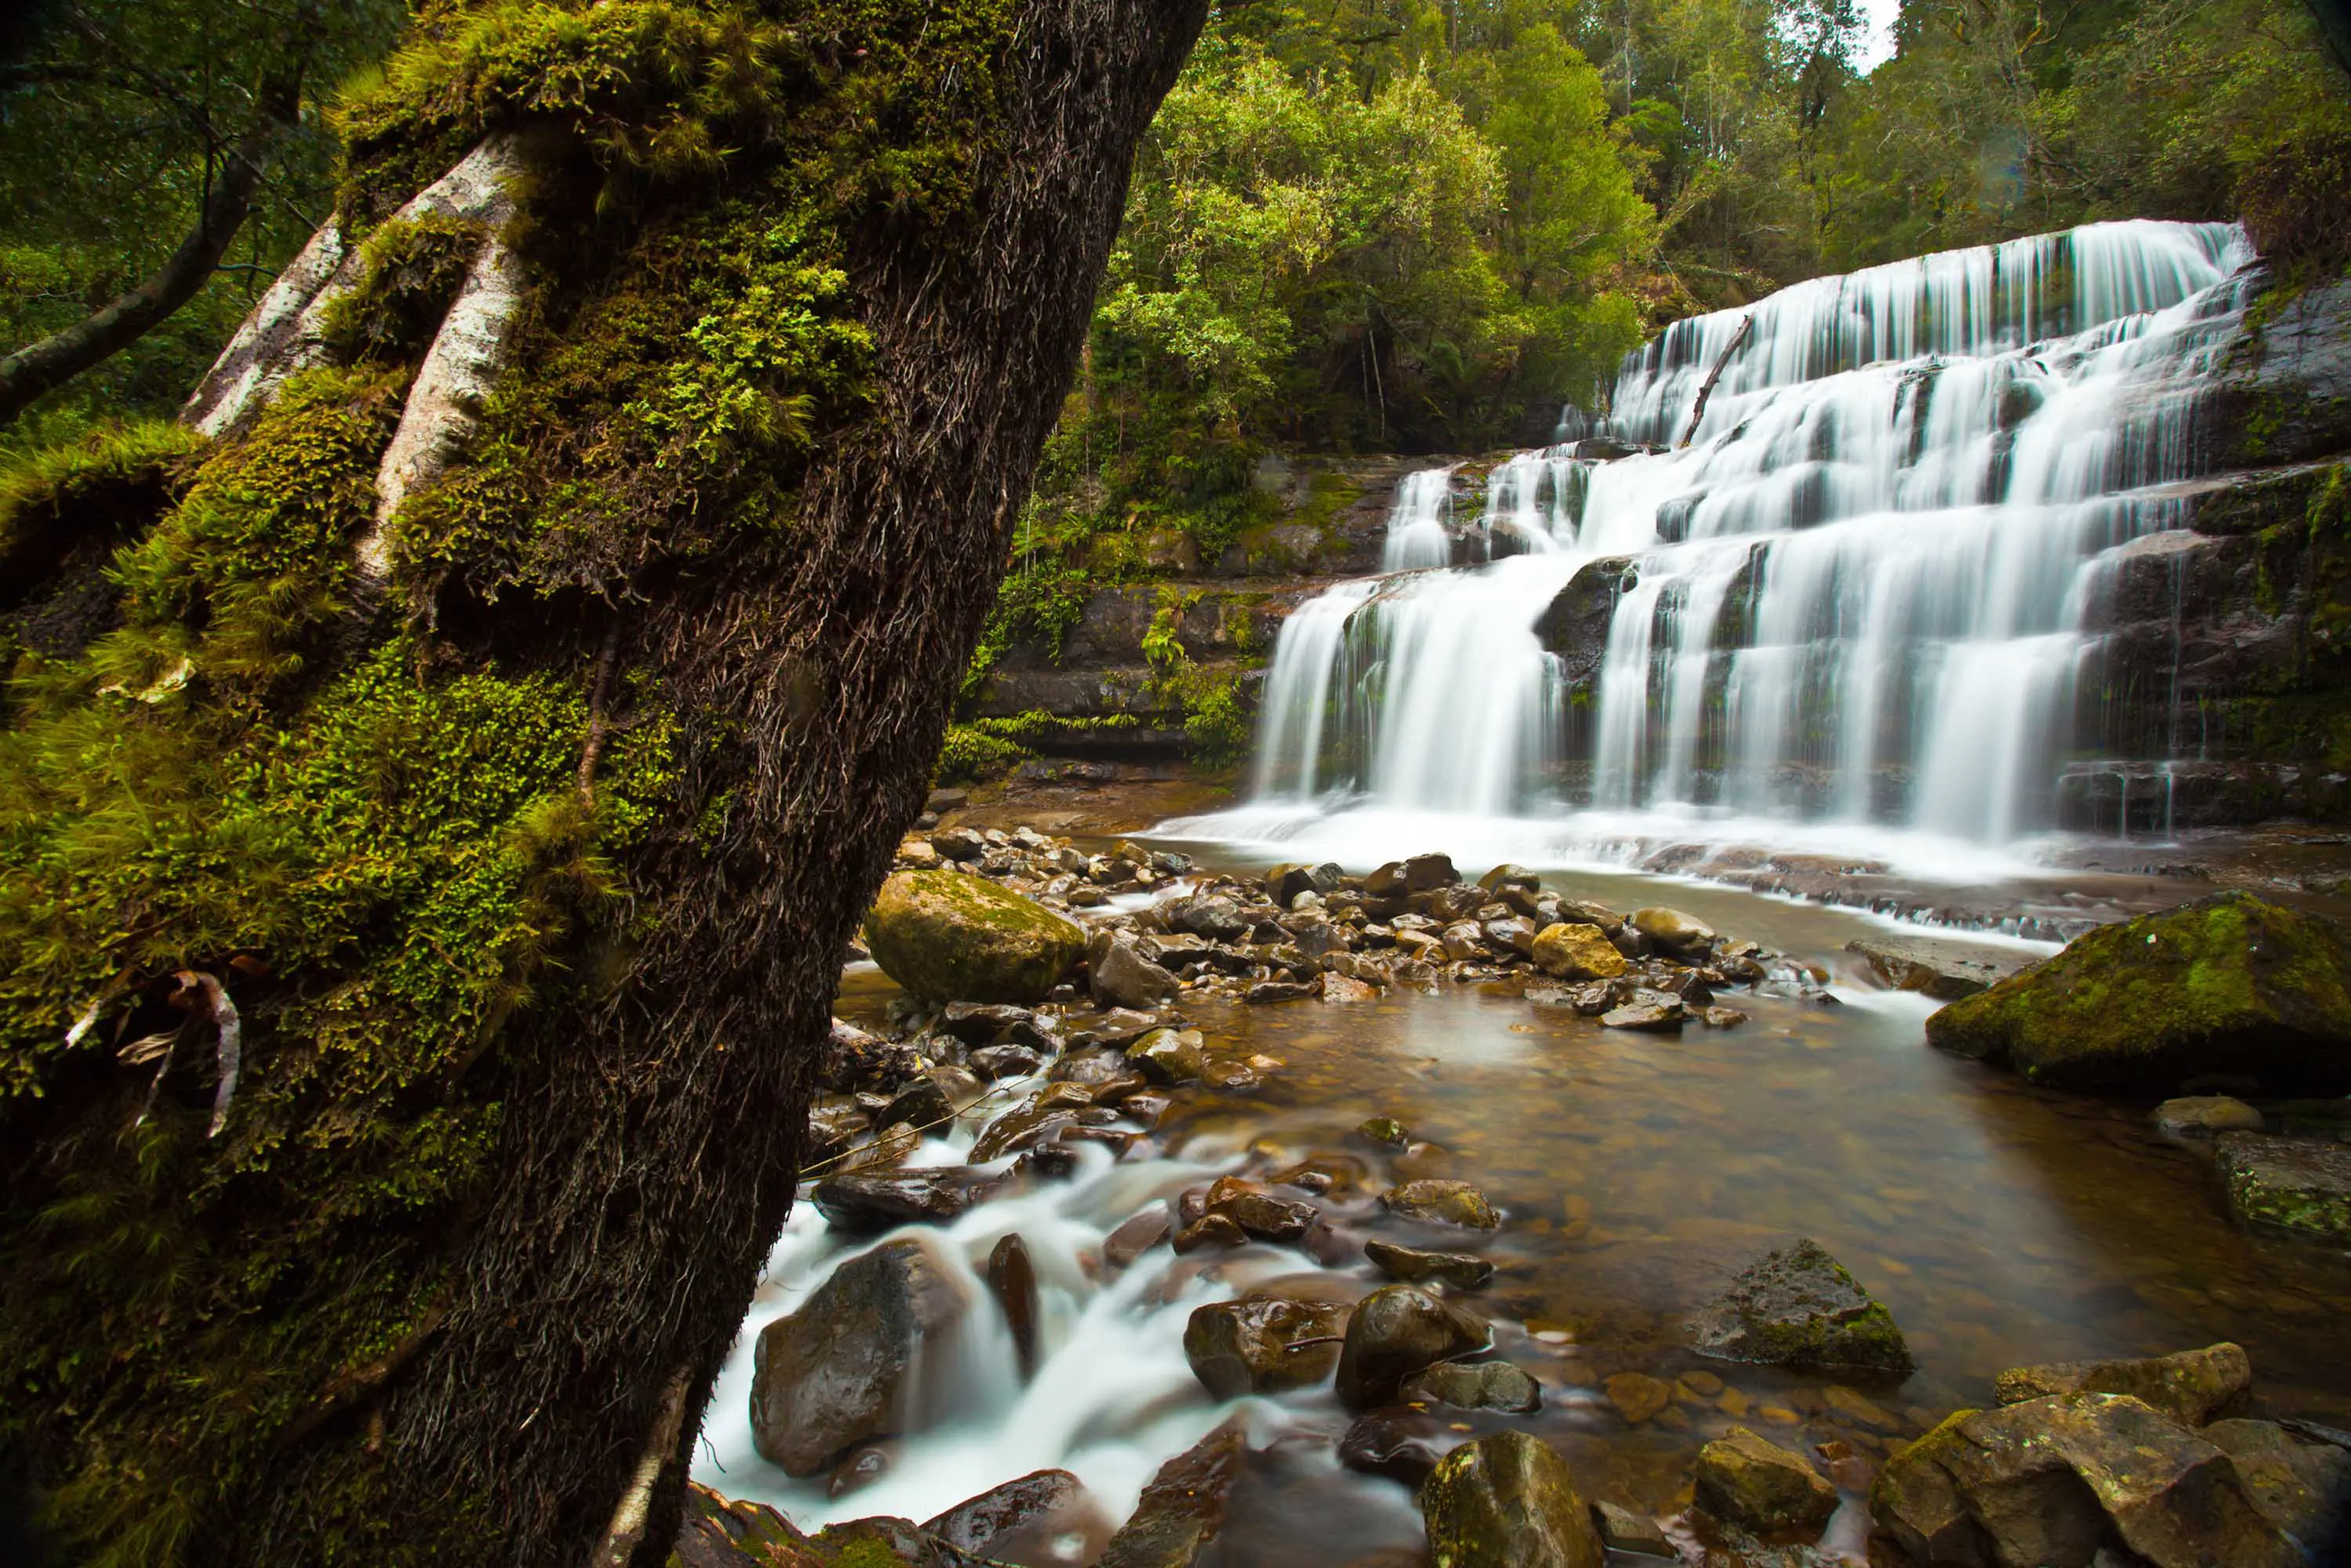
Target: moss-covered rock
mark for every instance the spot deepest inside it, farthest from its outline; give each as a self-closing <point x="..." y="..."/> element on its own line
<point x="1436" y="1202"/>
<point x="2230" y="985"/>
<point x="2191" y="1388"/>
<point x="1800" y="1307"/>
<point x="1508" y="1501"/>
<point x="2296" y="1186"/>
<point x="1757" y="1485"/>
<point x="946" y="936"/>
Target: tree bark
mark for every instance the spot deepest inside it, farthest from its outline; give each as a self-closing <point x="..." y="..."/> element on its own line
<point x="650" y="1143"/>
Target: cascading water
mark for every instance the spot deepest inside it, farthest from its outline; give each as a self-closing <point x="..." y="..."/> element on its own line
<point x="1861" y="531"/>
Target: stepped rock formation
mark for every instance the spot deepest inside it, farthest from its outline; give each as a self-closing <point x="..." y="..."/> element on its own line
<point x="518" y="701"/>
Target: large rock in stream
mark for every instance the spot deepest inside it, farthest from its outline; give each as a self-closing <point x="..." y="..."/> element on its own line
<point x="1183" y="1511"/>
<point x="836" y="1372"/>
<point x="2061" y="1482"/>
<point x="2229" y="987"/>
<point x="947" y="936"/>
<point x="1797" y="1306"/>
<point x="1508" y="1501"/>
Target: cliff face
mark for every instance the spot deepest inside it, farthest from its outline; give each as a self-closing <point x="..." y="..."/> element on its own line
<point x="433" y="804"/>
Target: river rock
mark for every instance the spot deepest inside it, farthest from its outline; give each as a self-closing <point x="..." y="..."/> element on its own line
<point x="1757" y="1485"/>
<point x="1022" y="1521"/>
<point x="1475" y="1385"/>
<point x="1217" y="918"/>
<point x="982" y="1023"/>
<point x="1266" y="991"/>
<point x="831" y="1373"/>
<point x="1183" y="1509"/>
<point x="1168" y="1055"/>
<point x="2050" y="1481"/>
<point x="1799" y="1307"/>
<point x="714" y="1531"/>
<point x="1569" y="952"/>
<point x="946" y="936"/>
<point x="996" y="1061"/>
<point x="1396" y="1330"/>
<point x="1684" y="935"/>
<point x="1118" y="975"/>
<point x="2301" y="1487"/>
<point x="2206" y="1116"/>
<point x="1656" y="1015"/>
<point x="1937" y="967"/>
<point x="1507" y="1501"/>
<point x="1257" y="1344"/>
<point x="1012" y="1281"/>
<point x="1622" y="1530"/>
<point x="1285" y="882"/>
<point x="1401" y="1442"/>
<point x="1461" y="1270"/>
<point x="1442" y="1202"/>
<point x="2190" y="1388"/>
<point x="1137" y="1235"/>
<point x="2230" y="986"/>
<point x="866" y="1203"/>
<point x="2295" y="1186"/>
<point x="1637" y="1395"/>
<point x="1035" y="1120"/>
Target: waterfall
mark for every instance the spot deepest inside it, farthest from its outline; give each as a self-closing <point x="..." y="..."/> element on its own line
<point x="1861" y="526"/>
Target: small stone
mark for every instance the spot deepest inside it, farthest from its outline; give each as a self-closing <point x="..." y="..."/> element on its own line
<point x="1012" y="1281"/>
<point x="1675" y="931"/>
<point x="866" y="1463"/>
<point x="1638" y="1397"/>
<point x="1385" y="1131"/>
<point x="1338" y="987"/>
<point x="1210" y="1231"/>
<point x="1401" y="1442"/>
<point x="1267" y="991"/>
<point x="1118" y="975"/>
<point x="999" y="1062"/>
<point x="1476" y="1385"/>
<point x="1856" y="1408"/>
<point x="1183" y="1509"/>
<point x="867" y="1204"/>
<point x="1757" y="1485"/>
<point x="1442" y="1202"/>
<point x="1700" y="1382"/>
<point x="1571" y="952"/>
<point x="1169" y="1056"/>
<point x="1138" y="1235"/>
<point x="2205" y="1116"/>
<point x="1459" y="1269"/>
<point x="1022" y="1519"/>
<point x="1622" y="1530"/>
<point x="1647" y="1017"/>
<point x="1721" y="1018"/>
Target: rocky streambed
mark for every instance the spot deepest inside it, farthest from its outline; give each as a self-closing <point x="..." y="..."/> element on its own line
<point x="1302" y="1216"/>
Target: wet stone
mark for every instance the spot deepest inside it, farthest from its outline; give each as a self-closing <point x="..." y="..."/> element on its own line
<point x="1638" y="1397"/>
<point x="1184" y="1509"/>
<point x="2206" y="1116"/>
<point x="1461" y="1270"/>
<point x="1012" y="1281"/>
<point x="1799" y="1307"/>
<point x="2192" y="1386"/>
<point x="1269" y="991"/>
<point x="1622" y="1530"/>
<point x="1137" y="1235"/>
<point x="1455" y="1203"/>
<point x="866" y="1463"/>
<point x="1209" y="1231"/>
<point x="867" y="1204"/>
<point x="1262" y="1344"/>
<point x="1476" y="1385"/>
<point x="1508" y="1498"/>
<point x="1396" y="1330"/>
<point x="1665" y="1017"/>
<point x="1169" y="1056"/>
<point x="1383" y="1131"/>
<point x="2294" y="1186"/>
<point x="1755" y="1484"/>
<point x="996" y="1062"/>
<point x="1023" y="1520"/>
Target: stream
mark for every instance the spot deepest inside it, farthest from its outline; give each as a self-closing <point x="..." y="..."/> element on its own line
<point x="2000" y="1224"/>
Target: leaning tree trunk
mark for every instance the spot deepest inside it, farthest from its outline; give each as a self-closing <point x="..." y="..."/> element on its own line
<point x="534" y="680"/>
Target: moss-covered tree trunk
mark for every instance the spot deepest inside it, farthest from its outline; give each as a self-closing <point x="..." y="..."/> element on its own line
<point x="494" y="730"/>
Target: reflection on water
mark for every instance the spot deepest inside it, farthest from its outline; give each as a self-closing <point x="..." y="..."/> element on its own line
<point x="2000" y="1224"/>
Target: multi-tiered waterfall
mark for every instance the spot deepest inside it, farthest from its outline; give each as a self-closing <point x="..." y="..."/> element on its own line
<point x="1846" y="575"/>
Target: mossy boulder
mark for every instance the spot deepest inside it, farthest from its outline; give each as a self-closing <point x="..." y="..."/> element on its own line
<point x="948" y="937"/>
<point x="2293" y="1187"/>
<point x="1797" y="1306"/>
<point x="2189" y="1386"/>
<point x="2231" y="986"/>
<point x="1508" y="1501"/>
<point x="1743" y="1479"/>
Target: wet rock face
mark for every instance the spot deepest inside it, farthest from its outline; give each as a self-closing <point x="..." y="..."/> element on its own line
<point x="832" y="1372"/>
<point x="2298" y="1187"/>
<point x="2228" y="986"/>
<point x="2054" y="1482"/>
<point x="1455" y="1203"/>
<point x="1476" y="1385"/>
<point x="947" y="936"/>
<point x="1025" y="1520"/>
<point x="1575" y="952"/>
<point x="1799" y="1307"/>
<point x="867" y="1204"/>
<point x="1119" y="976"/>
<point x="1396" y="1331"/>
<point x="1936" y="966"/>
<point x="1507" y="1500"/>
<point x="2191" y="1388"/>
<point x="1183" y="1509"/>
<point x="724" y="1533"/>
<point x="1461" y="1270"/>
<point x="1261" y="1344"/>
<point x="1758" y="1486"/>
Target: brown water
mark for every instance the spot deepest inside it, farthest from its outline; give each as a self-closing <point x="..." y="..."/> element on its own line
<point x="2000" y="1224"/>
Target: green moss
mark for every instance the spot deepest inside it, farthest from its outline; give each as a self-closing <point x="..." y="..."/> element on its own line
<point x="409" y="273"/>
<point x="112" y="480"/>
<point x="2229" y="983"/>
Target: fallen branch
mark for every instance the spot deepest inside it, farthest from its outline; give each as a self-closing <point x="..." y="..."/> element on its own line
<point x="1697" y="409"/>
<point x="626" y="1532"/>
<point x="346" y="1389"/>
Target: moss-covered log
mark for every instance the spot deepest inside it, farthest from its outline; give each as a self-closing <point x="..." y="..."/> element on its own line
<point x="511" y="834"/>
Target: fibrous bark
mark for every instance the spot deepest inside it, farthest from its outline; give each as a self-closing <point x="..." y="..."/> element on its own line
<point x="496" y="1254"/>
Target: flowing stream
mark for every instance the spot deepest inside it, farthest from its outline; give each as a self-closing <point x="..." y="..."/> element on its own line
<point x="1847" y="580"/>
